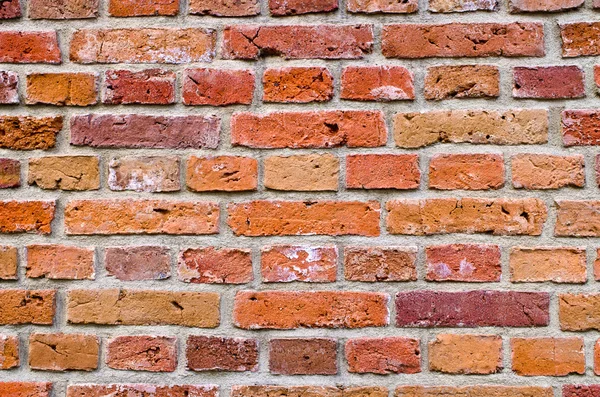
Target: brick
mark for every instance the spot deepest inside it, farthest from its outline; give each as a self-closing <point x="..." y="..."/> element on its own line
<point x="10" y="173"/>
<point x="213" y="265"/>
<point x="63" y="9"/>
<point x="463" y="262"/>
<point x="146" y="87"/>
<point x="28" y="132"/>
<point x="314" y="356"/>
<point x="10" y="9"/>
<point x="29" y="47"/>
<point x="383" y="355"/>
<point x="551" y="82"/>
<point x="498" y="216"/>
<point x="26" y="216"/>
<point x="142" y="353"/>
<point x="597" y="265"/>
<point x="370" y="264"/>
<point x="144" y="131"/>
<point x="580" y="39"/>
<point x="9" y="82"/>
<point x="138" y="263"/>
<point x="144" y="174"/>
<point x="465" y="354"/>
<point x="334" y="218"/>
<point x="213" y="353"/>
<point x="21" y="306"/>
<point x="60" y="262"/>
<point x="597" y="357"/>
<point x="297" y="85"/>
<point x="462" y="5"/>
<point x="581" y="390"/>
<point x="127" y="216"/>
<point x="463" y="40"/>
<point x="543" y="171"/>
<point x="547" y="356"/>
<point x="8" y="262"/>
<point x="312" y="172"/>
<point x="224" y="8"/>
<point x="63" y="352"/>
<point x="9" y="353"/>
<point x="462" y="81"/>
<point x="472" y="309"/>
<point x="149" y="45"/>
<point x="377" y="6"/>
<point x="25" y="389"/>
<point x="511" y="127"/>
<point x="310" y="309"/>
<point x="474" y="391"/>
<point x="466" y="171"/>
<point x="222" y="173"/>
<point x="316" y="391"/>
<point x="325" y="129"/>
<point x="138" y="8"/>
<point x="383" y="171"/>
<point x="298" y="7"/>
<point x="218" y="87"/>
<point x="556" y="264"/>
<point x="519" y="6"/>
<point x="62" y="89"/>
<point x="596" y="78"/>
<point x="143" y="307"/>
<point x="579" y="312"/>
<point x="580" y="127"/>
<point x="577" y="218"/>
<point x="65" y="172"/>
<point x="145" y="390"/>
<point x="286" y="263"/>
<point x="377" y="83"/>
<point x="297" y="41"/>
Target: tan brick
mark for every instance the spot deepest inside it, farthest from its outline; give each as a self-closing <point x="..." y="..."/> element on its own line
<point x="63" y="352"/>
<point x="556" y="264"/>
<point x="65" y="172"/>
<point x="543" y="171"/>
<point x="465" y="354"/>
<point x="222" y="173"/>
<point x="313" y="172"/>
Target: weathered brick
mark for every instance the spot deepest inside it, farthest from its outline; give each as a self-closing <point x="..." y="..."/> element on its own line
<point x="26" y="216"/>
<point x="63" y="9"/>
<point x="577" y="218"/>
<point x="314" y="356"/>
<point x="10" y="173"/>
<point x="218" y="87"/>
<point x="466" y="171"/>
<point x="25" y="389"/>
<point x="312" y="172"/>
<point x="497" y="216"/>
<point x="21" y="306"/>
<point x="551" y="82"/>
<point x="474" y="391"/>
<point x="65" y="172"/>
<point x="580" y="39"/>
<point x="10" y="9"/>
<point x="351" y="128"/>
<point x="142" y="353"/>
<point x="63" y="352"/>
<point x="138" y="8"/>
<point x="465" y="354"/>
<point x="543" y="171"/>
<point x="298" y="7"/>
<point x="286" y="263"/>
<point x="214" y="265"/>
<point x="297" y="41"/>
<point x="9" y="82"/>
<point x="60" y="262"/>
<point x="463" y="40"/>
<point x="146" y="87"/>
<point x="143" y="390"/>
<point x="579" y="312"/>
<point x="377" y="83"/>
<point x="29" y="47"/>
<point x="222" y="173"/>
<point x="62" y="89"/>
<point x="511" y="127"/>
<point x="334" y="218"/>
<point x="127" y="216"/>
<point x="213" y="353"/>
<point x="556" y="264"/>
<point x="8" y="262"/>
<point x="297" y="85"/>
<point x="596" y="77"/>
<point x="519" y="6"/>
<point x="463" y="262"/>
<point x="383" y="355"/>
<point x="383" y="171"/>
<point x="148" y="45"/>
<point x="310" y="309"/>
<point x="144" y="174"/>
<point x="580" y="127"/>
<point x="28" y="132"/>
<point x="372" y="264"/>
<point x="144" y="131"/>
<point x="581" y="390"/>
<point x="547" y="356"/>
<point x="9" y="353"/>
<point x="225" y="8"/>
<point x="462" y="5"/>
<point x="143" y="307"/>
<point x="316" y="391"/>
<point x="138" y="263"/>
<point x="597" y="358"/>
<point x="472" y="309"/>
<point x="597" y="265"/>
<point x="462" y="81"/>
<point x="384" y="6"/>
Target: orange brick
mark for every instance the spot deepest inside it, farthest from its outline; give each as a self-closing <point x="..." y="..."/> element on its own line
<point x="60" y="262"/>
<point x="579" y="312"/>
<point x="9" y="353"/>
<point x="542" y="171"/>
<point x="26" y="216"/>
<point x="465" y="354"/>
<point x="547" y="356"/>
<point x="27" y="306"/>
<point x="29" y="47"/>
<point x="377" y="83"/>
<point x="137" y="8"/>
<point x="286" y="263"/>
<point x="474" y="391"/>
<point x="466" y="171"/>
<point x="224" y="8"/>
<point x="222" y="173"/>
<point x="297" y="85"/>
<point x="215" y="266"/>
<point x="29" y="133"/>
<point x="463" y="262"/>
<point x="577" y="218"/>
<point x="557" y="264"/>
<point x="25" y="389"/>
<point x="63" y="352"/>
<point x="383" y="355"/>
<point x="62" y="89"/>
<point x="142" y="353"/>
<point x="372" y="264"/>
<point x="63" y="9"/>
<point x="8" y="262"/>
<point x="218" y="87"/>
<point x="383" y="171"/>
<point x="65" y="172"/>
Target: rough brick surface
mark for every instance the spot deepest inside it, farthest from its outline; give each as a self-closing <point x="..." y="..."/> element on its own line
<point x="9" y="261"/>
<point x="518" y="6"/>
<point x="560" y="265"/>
<point x="285" y="263"/>
<point x="383" y="355"/>
<point x="540" y="171"/>
<point x="304" y="173"/>
<point x="383" y="171"/>
<point x="29" y="47"/>
<point x="63" y="352"/>
<point x="10" y="9"/>
<point x="463" y="262"/>
<point x="65" y="172"/>
<point x="10" y="173"/>
<point x="377" y="83"/>
<point x="63" y="9"/>
<point x="315" y="356"/>
<point x="28" y="132"/>
<point x="9" y="93"/>
<point x="26" y="389"/>
<point x="298" y="7"/>
<point x="136" y="8"/>
<point x="27" y="216"/>
<point x="147" y="87"/>
<point x="297" y="85"/>
<point x="142" y="353"/>
<point x="210" y="353"/>
<point x="383" y="6"/>
<point x="9" y="352"/>
<point x="27" y="306"/>
<point x="474" y="391"/>
<point x="60" y="262"/>
<point x="380" y="264"/>
<point x="579" y="39"/>
<point x="577" y="218"/>
<point x="553" y="82"/>
<point x="62" y="89"/>
<point x="462" y="5"/>
<point x="138" y="263"/>
<point x="547" y="356"/>
<point x="465" y="354"/>
<point x="144" y="174"/>
<point x="218" y="87"/>
<point x="215" y="266"/>
<point x="463" y="81"/>
<point x="145" y="390"/>
<point x="466" y="171"/>
<point x="224" y="8"/>
<point x="222" y="173"/>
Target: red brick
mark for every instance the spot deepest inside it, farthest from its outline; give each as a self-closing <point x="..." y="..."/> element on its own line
<point x="142" y="353"/>
<point x="474" y="391"/>
<point x="63" y="9"/>
<point x="581" y="390"/>
<point x="316" y="356"/>
<point x="9" y="353"/>
<point x="580" y="39"/>
<point x="9" y="82"/>
<point x="25" y="389"/>
<point x="143" y="390"/>
<point x="144" y="131"/>
<point x="10" y="9"/>
<point x="26" y="216"/>
<point x="222" y="173"/>
<point x="547" y="356"/>
<point x="579" y="312"/>
<point x="372" y="264"/>
<point x="10" y="173"/>
<point x="286" y="263"/>
<point x="138" y="263"/>
<point x="297" y="41"/>
<point x="462" y="5"/>
<point x="466" y="171"/>
<point x="213" y="265"/>
<point x="383" y="171"/>
<point x="297" y="85"/>
<point x="311" y="309"/>
<point x="472" y="309"/>
<point x="463" y="40"/>
<point x="465" y="354"/>
<point x="383" y="355"/>
<point x="60" y="262"/>
<point x="463" y="262"/>
<point x="377" y="83"/>
<point x="351" y="128"/>
<point x="218" y="87"/>
<point x="289" y="218"/>
<point x="144" y="174"/>
<point x="225" y="8"/>
<point x="596" y="76"/>
<point x="137" y="8"/>
<point x="462" y="81"/>
<point x="298" y="7"/>
<point x="28" y="132"/>
<point x="8" y="262"/>
<point x="383" y="6"/>
<point x="543" y="171"/>
<point x="580" y="127"/>
<point x="556" y="264"/>
<point x="577" y="218"/>
<point x="551" y="82"/>
<point x="63" y="352"/>
<point x="149" y="45"/>
<point x="315" y="391"/>
<point x="212" y="353"/>
<point x="146" y="87"/>
<point x="518" y="6"/>
<point x="29" y="47"/>
<point x="21" y="306"/>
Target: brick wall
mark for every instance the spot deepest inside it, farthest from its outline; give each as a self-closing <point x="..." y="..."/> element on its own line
<point x="299" y="198"/>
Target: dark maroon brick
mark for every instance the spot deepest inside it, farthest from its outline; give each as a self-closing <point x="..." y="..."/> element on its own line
<point x="553" y="82"/>
<point x="138" y="263"/>
<point x="315" y="356"/>
<point x="581" y="391"/>
<point x="210" y="353"/>
<point x="10" y="9"/>
<point x="472" y="309"/>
